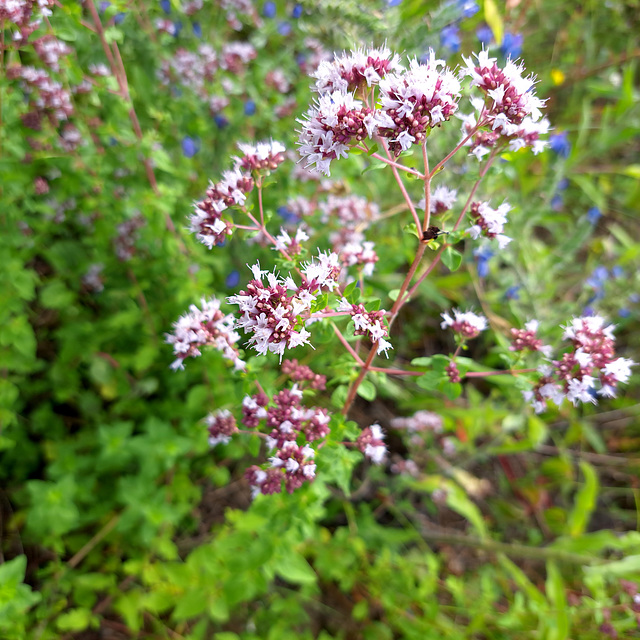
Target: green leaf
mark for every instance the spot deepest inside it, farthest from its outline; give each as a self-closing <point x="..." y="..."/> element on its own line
<point x="367" y="390"/>
<point x="293" y="568"/>
<point x="458" y="500"/>
<point x="558" y="625"/>
<point x="339" y="396"/>
<point x="411" y="229"/>
<point x="585" y="501"/>
<point x="74" y="620"/>
<point x="452" y="258"/>
<point x="627" y="567"/>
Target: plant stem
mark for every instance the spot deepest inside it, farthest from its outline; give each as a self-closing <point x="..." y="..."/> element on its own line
<point x="390" y="162"/>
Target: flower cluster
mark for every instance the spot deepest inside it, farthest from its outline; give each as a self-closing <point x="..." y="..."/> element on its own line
<point x="221" y="425"/>
<point x="354" y="250"/>
<point x="371" y="443"/>
<point x="19" y="12"/>
<point x="350" y="211"/>
<point x="126" y="235"/>
<point x="288" y="421"/>
<point x="47" y="96"/>
<point x="355" y="70"/>
<point x="465" y="323"/>
<point x="489" y="222"/>
<point x="404" y="104"/>
<point x="419" y="99"/>
<point x="527" y="339"/>
<point x="192" y="69"/>
<point x="335" y="122"/>
<point x="512" y="94"/>
<point x="419" y="421"/>
<point x="49" y="49"/>
<point x="301" y="373"/>
<point x="442" y="199"/>
<point x="368" y="323"/>
<point x="514" y="111"/>
<point x="293" y="246"/>
<point x="274" y="318"/>
<point x="206" y="221"/>
<point x="591" y="360"/>
<point x="205" y="326"/>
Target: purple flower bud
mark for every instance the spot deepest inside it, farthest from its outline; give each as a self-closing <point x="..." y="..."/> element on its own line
<point x="557" y="202"/>
<point x="119" y="17"/>
<point x="287" y="215"/>
<point x="284" y="28"/>
<point x="249" y="108"/>
<point x="450" y="38"/>
<point x="512" y="44"/>
<point x="166" y="5"/>
<point x="560" y="145"/>
<point x="197" y="30"/>
<point x="513" y="293"/>
<point x="269" y="10"/>
<point x="482" y="257"/>
<point x="297" y="11"/>
<point x="190" y="146"/>
<point x="233" y="279"/>
<point x="220" y="121"/>
<point x="593" y="215"/>
<point x="484" y="34"/>
<point x="394" y="3"/>
<point x="177" y="28"/>
<point x="103" y="6"/>
<point x="468" y="8"/>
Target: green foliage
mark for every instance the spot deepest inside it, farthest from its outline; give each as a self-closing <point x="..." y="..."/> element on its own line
<point x="115" y="512"/>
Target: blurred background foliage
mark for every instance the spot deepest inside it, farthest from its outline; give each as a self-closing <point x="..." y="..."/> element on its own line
<point x="118" y="521"/>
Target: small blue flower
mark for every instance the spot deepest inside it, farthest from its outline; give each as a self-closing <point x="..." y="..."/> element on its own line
<point x="177" y="28"/>
<point x="297" y="11"/>
<point x="287" y="215"/>
<point x="249" y="108"/>
<point x="593" y="215"/>
<point x="559" y="144"/>
<point x="512" y="44"/>
<point x="190" y="146"/>
<point x="597" y="279"/>
<point x="557" y="202"/>
<point x="450" y="38"/>
<point x="634" y="298"/>
<point x="617" y="272"/>
<point x="119" y="17"/>
<point x="166" y="5"/>
<point x="197" y="30"/>
<point x="269" y="10"/>
<point x="624" y="312"/>
<point x="220" y="121"/>
<point x="484" y="34"/>
<point x="103" y="6"/>
<point x="233" y="279"/>
<point x="482" y="256"/>
<point x="513" y="293"/>
<point x="563" y="184"/>
<point x="468" y="8"/>
<point x="284" y="28"/>
<point x="394" y="3"/>
<point x="589" y="311"/>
